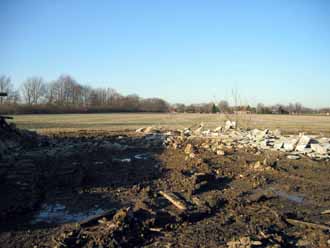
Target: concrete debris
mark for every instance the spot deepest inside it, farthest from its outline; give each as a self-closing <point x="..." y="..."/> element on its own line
<point x="218" y="129"/>
<point x="145" y="130"/>
<point x="226" y="141"/>
<point x="325" y="141"/>
<point x="140" y="130"/>
<point x="278" y="144"/>
<point x="290" y="144"/>
<point x="319" y="149"/>
<point x="230" y="125"/>
<point x="277" y="133"/>
<point x="199" y="129"/>
<point x="303" y="143"/>
<point x="293" y="157"/>
<point x="220" y="152"/>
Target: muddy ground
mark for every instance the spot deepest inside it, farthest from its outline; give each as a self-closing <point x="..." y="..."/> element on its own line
<point x="80" y="190"/>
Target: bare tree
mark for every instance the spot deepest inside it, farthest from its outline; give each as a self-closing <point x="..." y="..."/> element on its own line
<point x="33" y="89"/>
<point x="298" y="107"/>
<point x="223" y="106"/>
<point x="260" y="108"/>
<point x="65" y="91"/>
<point x="86" y="92"/>
<point x="179" y="107"/>
<point x="14" y="97"/>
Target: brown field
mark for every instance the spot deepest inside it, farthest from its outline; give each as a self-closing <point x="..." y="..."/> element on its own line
<point x="120" y="121"/>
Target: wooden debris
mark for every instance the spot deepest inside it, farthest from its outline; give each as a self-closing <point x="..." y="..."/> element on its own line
<point x="308" y="224"/>
<point x="174" y="200"/>
<point x="94" y="219"/>
<point x="326" y="212"/>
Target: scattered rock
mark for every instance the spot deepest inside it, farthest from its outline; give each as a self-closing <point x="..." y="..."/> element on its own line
<point x="220" y="152"/>
<point x="140" y="130"/>
<point x="188" y="149"/>
<point x="144" y="130"/>
<point x="148" y="130"/>
<point x="293" y="157"/>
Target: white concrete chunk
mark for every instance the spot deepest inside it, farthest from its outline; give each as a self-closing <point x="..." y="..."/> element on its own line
<point x="293" y="157"/>
<point x="278" y="144"/>
<point x="290" y="144"/>
<point x="319" y="149"/>
<point x="230" y="125"/>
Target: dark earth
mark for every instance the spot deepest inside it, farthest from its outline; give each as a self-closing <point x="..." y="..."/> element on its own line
<point x="104" y="189"/>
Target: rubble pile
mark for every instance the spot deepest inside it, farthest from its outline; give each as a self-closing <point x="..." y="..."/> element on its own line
<point x="226" y="139"/>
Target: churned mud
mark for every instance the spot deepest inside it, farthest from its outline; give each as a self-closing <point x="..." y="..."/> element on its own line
<point x="128" y="189"/>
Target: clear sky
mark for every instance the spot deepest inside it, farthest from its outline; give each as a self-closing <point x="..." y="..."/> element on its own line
<point x="183" y="51"/>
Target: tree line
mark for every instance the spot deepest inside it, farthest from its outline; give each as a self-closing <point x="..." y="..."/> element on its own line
<point x="224" y="107"/>
<point x="66" y="95"/>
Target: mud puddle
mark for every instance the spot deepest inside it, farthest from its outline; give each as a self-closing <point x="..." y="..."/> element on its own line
<point x="138" y="156"/>
<point x="59" y="214"/>
<point x="289" y="196"/>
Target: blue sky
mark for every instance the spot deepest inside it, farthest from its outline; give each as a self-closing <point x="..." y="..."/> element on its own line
<point x="183" y="51"/>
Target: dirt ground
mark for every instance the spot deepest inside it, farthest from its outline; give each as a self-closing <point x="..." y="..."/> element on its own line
<point x="94" y="194"/>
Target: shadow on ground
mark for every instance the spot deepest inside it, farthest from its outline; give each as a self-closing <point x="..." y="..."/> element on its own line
<point x="68" y="178"/>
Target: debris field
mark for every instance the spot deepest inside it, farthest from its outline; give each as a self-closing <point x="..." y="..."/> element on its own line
<point x="151" y="187"/>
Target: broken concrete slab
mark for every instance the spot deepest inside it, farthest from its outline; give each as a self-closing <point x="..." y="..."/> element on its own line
<point x="279" y="144"/>
<point x="323" y="141"/>
<point x="290" y="144"/>
<point x="218" y="129"/>
<point x="230" y="125"/>
<point x="303" y="143"/>
<point x="277" y="133"/>
<point x="319" y="149"/>
<point x="293" y="157"/>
